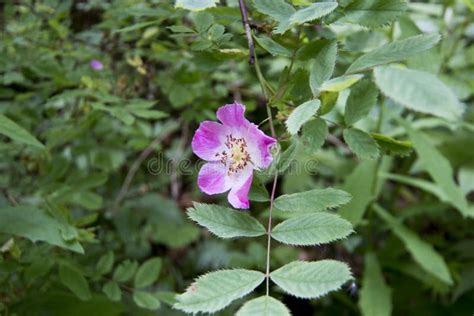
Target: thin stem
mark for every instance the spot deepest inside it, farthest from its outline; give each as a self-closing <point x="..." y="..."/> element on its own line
<point x="269" y="232"/>
<point x="248" y="34"/>
<point x="266" y="87"/>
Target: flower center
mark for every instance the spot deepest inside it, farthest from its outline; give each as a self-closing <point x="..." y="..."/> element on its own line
<point x="237" y="156"/>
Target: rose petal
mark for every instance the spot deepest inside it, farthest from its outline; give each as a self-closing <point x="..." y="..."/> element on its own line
<point x="259" y="146"/>
<point x="209" y="140"/>
<point x="239" y="195"/>
<point x="212" y="178"/>
<point x="232" y="115"/>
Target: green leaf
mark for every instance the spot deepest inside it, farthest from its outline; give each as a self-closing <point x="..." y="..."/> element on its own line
<point x="423" y="253"/>
<point x="395" y="51"/>
<point x="361" y="100"/>
<point x="37" y="225"/>
<point x="146" y="300"/>
<point x="258" y="192"/>
<point x="17" y="133"/>
<point x="112" y="290"/>
<point x="340" y="83"/>
<point x="203" y="21"/>
<point x="180" y="29"/>
<point x="374" y="13"/>
<point x="312" y="12"/>
<point x="147" y="273"/>
<point x="225" y="222"/>
<point x="125" y="271"/>
<point x="312" y="229"/>
<point x="391" y="146"/>
<point x="359" y="184"/>
<point x="279" y="10"/>
<point x="287" y="16"/>
<point x="323" y="66"/>
<point x="312" y="201"/>
<point x="73" y="279"/>
<point x="311" y="279"/>
<point x="214" y="291"/>
<point x="105" y="263"/>
<point x="195" y="5"/>
<point x="263" y="306"/>
<point x="314" y="134"/>
<point x="439" y="169"/>
<point x="374" y="289"/>
<point x="419" y="91"/>
<point x="273" y="47"/>
<point x="361" y="143"/>
<point x="418" y="183"/>
<point x="301" y="115"/>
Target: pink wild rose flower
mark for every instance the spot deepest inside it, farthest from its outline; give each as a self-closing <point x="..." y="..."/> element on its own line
<point x="232" y="150"/>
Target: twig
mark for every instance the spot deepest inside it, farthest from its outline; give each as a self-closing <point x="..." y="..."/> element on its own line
<point x="269" y="233"/>
<point x="9" y="197"/>
<point x="134" y="168"/>
<point x="248" y="32"/>
<point x="175" y="182"/>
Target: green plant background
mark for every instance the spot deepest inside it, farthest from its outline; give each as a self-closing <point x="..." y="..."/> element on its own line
<point x="88" y="225"/>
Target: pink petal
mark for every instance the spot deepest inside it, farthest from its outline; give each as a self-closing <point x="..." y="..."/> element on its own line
<point x="239" y="195"/>
<point x="232" y="115"/>
<point x="259" y="147"/>
<point x="208" y="140"/>
<point x="212" y="178"/>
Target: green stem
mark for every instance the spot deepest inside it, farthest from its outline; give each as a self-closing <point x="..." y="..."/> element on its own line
<point x="265" y="89"/>
<point x="376" y="175"/>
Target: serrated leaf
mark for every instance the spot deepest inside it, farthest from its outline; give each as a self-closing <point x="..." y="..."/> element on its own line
<point x="374" y="13"/>
<point x="287" y="16"/>
<point x="439" y="169"/>
<point x="125" y="271"/>
<point x="17" y="133"/>
<point x="279" y="10"/>
<point x="105" y="263"/>
<point x="263" y="306"/>
<point x="361" y="100"/>
<point x="340" y="83"/>
<point x="195" y="5"/>
<point x="312" y="229"/>
<point x="74" y="280"/>
<point x="112" y="290"/>
<point x="146" y="300"/>
<point x="147" y="273"/>
<point x="273" y="47"/>
<point x="391" y="146"/>
<point x="314" y="134"/>
<point x="395" y="51"/>
<point x="203" y="21"/>
<point x="312" y="201"/>
<point x="323" y="66"/>
<point x="374" y="289"/>
<point x="423" y="253"/>
<point x="311" y="279"/>
<point x="37" y="225"/>
<point x="301" y="115"/>
<point x="225" y="222"/>
<point x="419" y="91"/>
<point x="214" y="291"/>
<point x="361" y="143"/>
<point x="359" y="184"/>
<point x="312" y="12"/>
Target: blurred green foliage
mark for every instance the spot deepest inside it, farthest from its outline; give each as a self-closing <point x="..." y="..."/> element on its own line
<point x="94" y="189"/>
